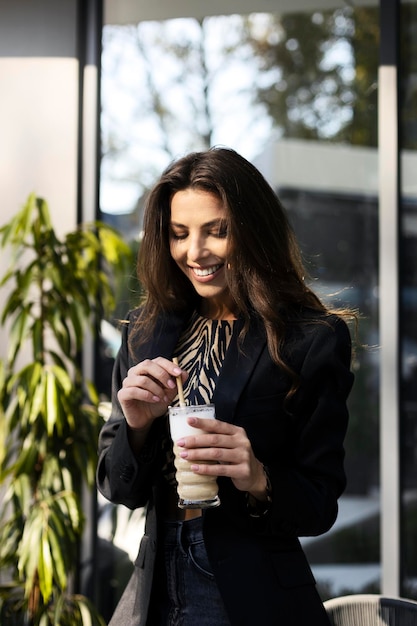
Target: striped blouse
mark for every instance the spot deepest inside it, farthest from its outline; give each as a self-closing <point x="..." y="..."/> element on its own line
<point x="201" y="350"/>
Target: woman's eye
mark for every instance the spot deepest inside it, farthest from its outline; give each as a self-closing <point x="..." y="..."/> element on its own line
<point x="220" y="231"/>
<point x="178" y="235"/>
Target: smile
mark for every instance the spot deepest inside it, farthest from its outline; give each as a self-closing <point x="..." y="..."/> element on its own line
<point x="206" y="271"/>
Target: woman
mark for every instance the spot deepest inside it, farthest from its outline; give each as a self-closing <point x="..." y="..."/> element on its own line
<point x="225" y="294"/>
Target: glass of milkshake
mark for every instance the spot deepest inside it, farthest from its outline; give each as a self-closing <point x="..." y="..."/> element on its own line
<point x="195" y="491"/>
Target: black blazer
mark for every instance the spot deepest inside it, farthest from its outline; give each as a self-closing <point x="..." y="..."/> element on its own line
<point x="259" y="565"/>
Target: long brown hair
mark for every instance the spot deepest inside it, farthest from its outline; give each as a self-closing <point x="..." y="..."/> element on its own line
<point x="267" y="276"/>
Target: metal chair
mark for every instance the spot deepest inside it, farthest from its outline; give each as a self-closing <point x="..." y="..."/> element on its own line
<point x="371" y="610"/>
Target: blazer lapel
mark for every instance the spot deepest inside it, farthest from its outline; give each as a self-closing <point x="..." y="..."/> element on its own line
<point x="237" y="368"/>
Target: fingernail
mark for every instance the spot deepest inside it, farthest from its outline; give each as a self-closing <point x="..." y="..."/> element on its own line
<point x="184" y="454"/>
<point x="170" y="383"/>
<point x="195" y="468"/>
<point x="177" y="371"/>
<point x="156" y="399"/>
<point x="181" y="442"/>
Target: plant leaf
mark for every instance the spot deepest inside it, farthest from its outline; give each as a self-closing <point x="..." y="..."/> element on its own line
<point x="45" y="568"/>
<point x="52" y="414"/>
<point x="18" y="333"/>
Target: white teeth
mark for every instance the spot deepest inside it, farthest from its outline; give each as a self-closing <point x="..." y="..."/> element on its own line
<point x="206" y="271"/>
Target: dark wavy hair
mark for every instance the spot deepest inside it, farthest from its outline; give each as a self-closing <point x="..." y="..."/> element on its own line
<point x="267" y="276"/>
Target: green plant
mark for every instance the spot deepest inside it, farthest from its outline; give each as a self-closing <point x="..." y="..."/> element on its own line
<point x="49" y="421"/>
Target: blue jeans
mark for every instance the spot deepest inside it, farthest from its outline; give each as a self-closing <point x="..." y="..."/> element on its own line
<point x="190" y="595"/>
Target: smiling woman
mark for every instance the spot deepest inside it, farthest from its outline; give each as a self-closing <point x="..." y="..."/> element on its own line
<point x="199" y="246"/>
<point x="227" y="316"/>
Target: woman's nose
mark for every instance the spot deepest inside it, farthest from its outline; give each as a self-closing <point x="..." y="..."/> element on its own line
<point x="197" y="248"/>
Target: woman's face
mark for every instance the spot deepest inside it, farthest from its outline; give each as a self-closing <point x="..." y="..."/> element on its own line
<point x="198" y="245"/>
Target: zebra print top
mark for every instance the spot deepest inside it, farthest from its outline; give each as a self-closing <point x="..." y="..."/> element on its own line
<point x="200" y="350"/>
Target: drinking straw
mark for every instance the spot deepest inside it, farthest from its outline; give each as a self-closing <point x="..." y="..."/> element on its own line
<point x="179" y="385"/>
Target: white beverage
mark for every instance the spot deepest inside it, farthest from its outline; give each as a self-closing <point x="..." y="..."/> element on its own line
<point x="195" y="491"/>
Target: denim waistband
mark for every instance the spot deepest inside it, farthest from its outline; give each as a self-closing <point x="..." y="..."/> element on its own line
<point x="183" y="532"/>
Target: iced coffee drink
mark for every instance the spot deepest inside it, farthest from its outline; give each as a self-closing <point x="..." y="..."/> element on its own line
<point x="194" y="490"/>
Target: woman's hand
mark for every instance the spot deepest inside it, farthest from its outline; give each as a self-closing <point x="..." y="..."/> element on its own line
<point x="147" y="391"/>
<point x="230" y="448"/>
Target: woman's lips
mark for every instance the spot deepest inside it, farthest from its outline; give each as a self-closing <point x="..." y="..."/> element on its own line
<point x="206" y="272"/>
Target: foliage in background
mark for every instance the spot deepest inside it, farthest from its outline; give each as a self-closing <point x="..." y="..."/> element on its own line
<point x="130" y="291"/>
<point x="238" y="80"/>
<point x="58" y="289"/>
<point x="323" y="86"/>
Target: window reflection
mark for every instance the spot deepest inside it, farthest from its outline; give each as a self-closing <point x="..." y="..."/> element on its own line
<point x="334" y="211"/>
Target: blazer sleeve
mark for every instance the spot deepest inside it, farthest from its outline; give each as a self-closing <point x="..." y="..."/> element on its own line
<point x="308" y="481"/>
<point x="123" y="477"/>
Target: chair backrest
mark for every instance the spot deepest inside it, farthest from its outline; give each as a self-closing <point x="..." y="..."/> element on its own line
<point x="371" y="610"/>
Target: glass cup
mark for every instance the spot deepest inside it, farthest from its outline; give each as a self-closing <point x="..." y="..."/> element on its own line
<point x="195" y="491"/>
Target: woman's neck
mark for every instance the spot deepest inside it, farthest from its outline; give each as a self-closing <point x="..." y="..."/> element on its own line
<point x="216" y="310"/>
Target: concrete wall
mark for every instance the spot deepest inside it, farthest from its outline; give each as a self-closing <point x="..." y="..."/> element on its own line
<point x="39" y="82"/>
<point x="42" y="70"/>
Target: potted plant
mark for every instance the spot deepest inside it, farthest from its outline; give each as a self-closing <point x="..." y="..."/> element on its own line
<point x="49" y="413"/>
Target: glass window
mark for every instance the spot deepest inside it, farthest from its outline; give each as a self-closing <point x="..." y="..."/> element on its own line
<point x="304" y="110"/>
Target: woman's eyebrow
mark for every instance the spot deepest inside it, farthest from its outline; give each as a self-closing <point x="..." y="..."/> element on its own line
<point x="219" y="221"/>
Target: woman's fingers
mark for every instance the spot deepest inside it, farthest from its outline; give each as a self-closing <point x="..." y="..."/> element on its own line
<point x="217" y="435"/>
<point x="223" y="450"/>
<point x="149" y="387"/>
<point x="145" y="388"/>
<point x="153" y="378"/>
<point x="225" y="455"/>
